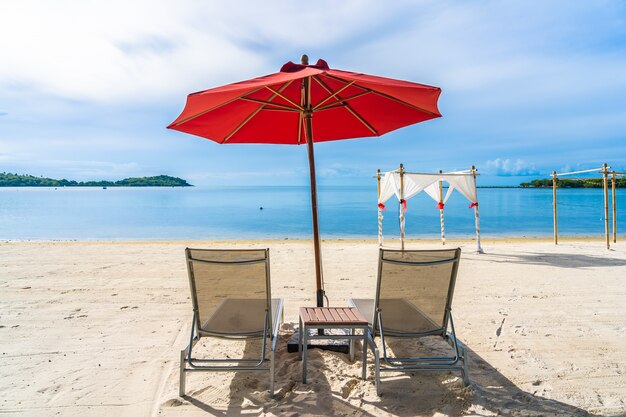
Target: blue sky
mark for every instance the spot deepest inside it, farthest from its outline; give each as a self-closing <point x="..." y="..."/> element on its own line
<point x="87" y="88"/>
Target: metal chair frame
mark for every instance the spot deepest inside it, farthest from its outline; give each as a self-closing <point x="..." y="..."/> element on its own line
<point x="190" y="364"/>
<point x="457" y="362"/>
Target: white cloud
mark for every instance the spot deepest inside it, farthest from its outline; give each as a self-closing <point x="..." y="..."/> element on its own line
<point x="144" y="50"/>
<point x="509" y="167"/>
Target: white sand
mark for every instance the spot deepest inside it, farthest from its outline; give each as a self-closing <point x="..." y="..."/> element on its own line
<point x="95" y="329"/>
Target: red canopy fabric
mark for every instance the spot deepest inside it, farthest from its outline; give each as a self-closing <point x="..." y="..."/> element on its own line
<point x="269" y="109"/>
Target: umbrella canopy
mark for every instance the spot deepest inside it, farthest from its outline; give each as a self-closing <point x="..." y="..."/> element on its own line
<point x="303" y="104"/>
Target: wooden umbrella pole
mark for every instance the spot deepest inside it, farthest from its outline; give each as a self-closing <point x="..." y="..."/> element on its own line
<point x="402" y="206"/>
<point x="605" y="183"/>
<point x="308" y="115"/>
<point x="614" y="208"/>
<point x="556" y="225"/>
<point x="479" y="248"/>
<point x="443" y="235"/>
<point x="380" y="213"/>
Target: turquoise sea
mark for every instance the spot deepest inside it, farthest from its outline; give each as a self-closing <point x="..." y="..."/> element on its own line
<point x="234" y="212"/>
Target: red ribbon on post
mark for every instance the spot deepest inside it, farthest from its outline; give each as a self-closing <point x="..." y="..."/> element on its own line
<point x="474" y="204"/>
<point x="381" y="206"/>
<point x="403" y="202"/>
<point x="440" y="206"/>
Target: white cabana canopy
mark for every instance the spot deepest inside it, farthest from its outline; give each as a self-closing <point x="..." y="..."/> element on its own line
<point x="405" y="185"/>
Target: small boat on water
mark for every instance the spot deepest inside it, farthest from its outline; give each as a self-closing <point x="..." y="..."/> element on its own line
<point x="104" y="187"/>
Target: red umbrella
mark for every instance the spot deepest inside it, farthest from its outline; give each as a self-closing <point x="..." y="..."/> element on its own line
<point x="304" y="104"/>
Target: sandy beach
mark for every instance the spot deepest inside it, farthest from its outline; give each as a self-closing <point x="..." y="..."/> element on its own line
<point x="95" y="329"/>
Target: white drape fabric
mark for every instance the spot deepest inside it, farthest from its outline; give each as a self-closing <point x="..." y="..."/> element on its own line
<point x="416" y="183"/>
<point x="434" y="190"/>
<point x="465" y="184"/>
<point x="389" y="186"/>
<point x="463" y="181"/>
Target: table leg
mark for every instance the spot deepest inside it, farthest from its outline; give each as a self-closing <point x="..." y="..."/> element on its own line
<point x="365" y="331"/>
<point x="300" y="338"/>
<point x="304" y="353"/>
<point x="351" y="353"/>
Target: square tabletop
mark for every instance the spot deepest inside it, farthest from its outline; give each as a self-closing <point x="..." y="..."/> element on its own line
<point x="339" y="316"/>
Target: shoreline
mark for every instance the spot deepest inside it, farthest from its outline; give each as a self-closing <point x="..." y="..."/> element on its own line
<point x="449" y="241"/>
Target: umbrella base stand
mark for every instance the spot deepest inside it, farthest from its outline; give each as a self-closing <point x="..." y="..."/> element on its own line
<point x="334" y="345"/>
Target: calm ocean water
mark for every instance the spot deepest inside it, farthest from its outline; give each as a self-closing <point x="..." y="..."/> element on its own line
<point x="233" y="212"/>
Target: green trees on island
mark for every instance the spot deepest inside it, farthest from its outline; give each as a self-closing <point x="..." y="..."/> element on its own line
<point x="573" y="183"/>
<point x="16" y="180"/>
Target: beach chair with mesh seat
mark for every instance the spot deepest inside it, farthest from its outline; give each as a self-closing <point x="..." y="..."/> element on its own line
<point x="413" y="300"/>
<point x="231" y="297"/>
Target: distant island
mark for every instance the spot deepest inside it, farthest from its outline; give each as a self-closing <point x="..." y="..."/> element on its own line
<point x="573" y="183"/>
<point x="16" y="180"/>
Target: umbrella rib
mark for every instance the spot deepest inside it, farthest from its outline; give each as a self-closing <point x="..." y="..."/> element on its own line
<point x="300" y="119"/>
<point x="254" y="113"/>
<point x="278" y="93"/>
<point x="333" y="95"/>
<point x="347" y="107"/>
<point x="360" y="119"/>
<point x="321" y="83"/>
<point x="240" y="125"/>
<point x="269" y="103"/>
<point x="342" y="101"/>
<point x="386" y="96"/>
<point x="216" y="107"/>
<point x="282" y="110"/>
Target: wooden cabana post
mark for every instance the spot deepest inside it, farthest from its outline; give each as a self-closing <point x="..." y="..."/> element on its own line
<point x="605" y="184"/>
<point x="479" y="248"/>
<point x="443" y="235"/>
<point x="402" y="206"/>
<point x="380" y="214"/>
<point x="556" y="226"/>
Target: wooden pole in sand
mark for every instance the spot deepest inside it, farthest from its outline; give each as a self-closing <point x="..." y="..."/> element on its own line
<point x="605" y="183"/>
<point x="443" y="235"/>
<point x="479" y="249"/>
<point x="402" y="206"/>
<point x="380" y="213"/>
<point x="307" y="115"/>
<point x="614" y="208"/>
<point x="556" y="225"/>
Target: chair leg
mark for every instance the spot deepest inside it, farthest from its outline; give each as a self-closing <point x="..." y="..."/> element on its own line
<point x="466" y="379"/>
<point x="377" y="370"/>
<point x="181" y="384"/>
<point x="376" y="364"/>
<point x="272" y="373"/>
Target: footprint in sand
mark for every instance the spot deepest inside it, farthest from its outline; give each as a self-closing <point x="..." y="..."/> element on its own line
<point x="348" y="387"/>
<point x="174" y="402"/>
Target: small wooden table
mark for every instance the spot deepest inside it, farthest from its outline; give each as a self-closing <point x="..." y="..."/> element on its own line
<point x="332" y="318"/>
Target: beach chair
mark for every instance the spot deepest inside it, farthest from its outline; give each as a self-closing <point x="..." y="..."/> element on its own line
<point x="413" y="300"/>
<point x="231" y="296"/>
